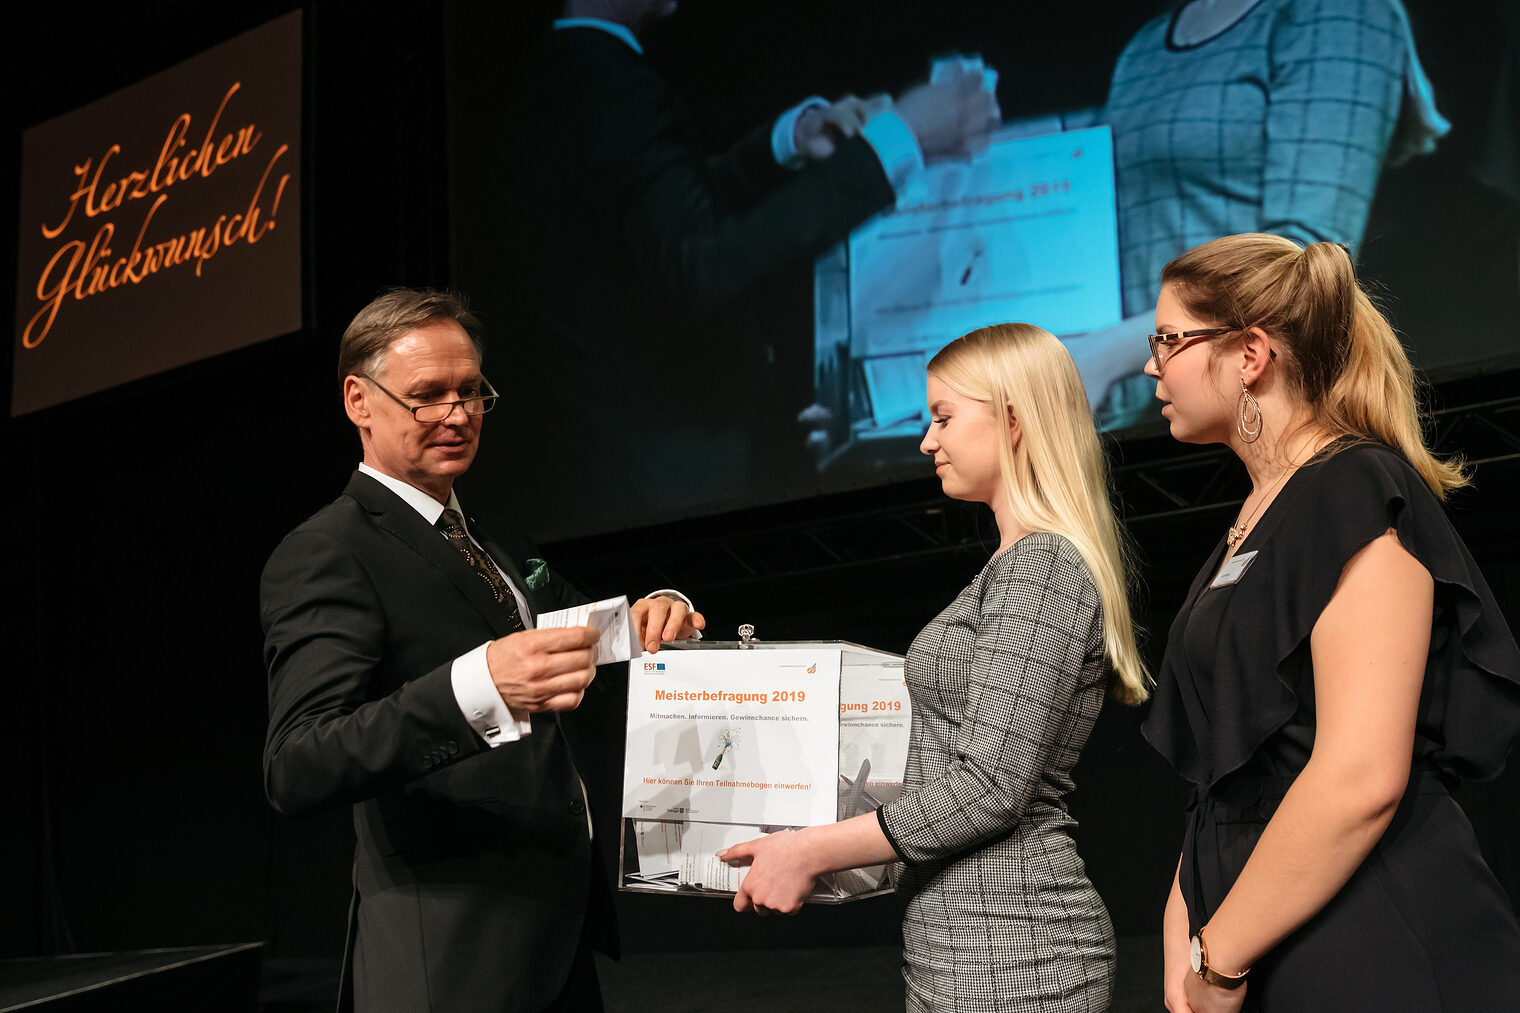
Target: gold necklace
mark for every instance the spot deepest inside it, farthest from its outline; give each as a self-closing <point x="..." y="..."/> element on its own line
<point x="1238" y="531"/>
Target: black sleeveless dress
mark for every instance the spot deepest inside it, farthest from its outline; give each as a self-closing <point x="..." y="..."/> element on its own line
<point x="1422" y="925"/>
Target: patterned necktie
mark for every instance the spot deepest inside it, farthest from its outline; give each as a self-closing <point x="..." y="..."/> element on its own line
<point x="452" y="526"/>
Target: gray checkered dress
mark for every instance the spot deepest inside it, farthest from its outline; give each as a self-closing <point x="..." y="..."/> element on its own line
<point x="1006" y="684"/>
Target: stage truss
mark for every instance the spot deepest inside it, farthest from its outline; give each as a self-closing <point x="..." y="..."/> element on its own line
<point x="1157" y="483"/>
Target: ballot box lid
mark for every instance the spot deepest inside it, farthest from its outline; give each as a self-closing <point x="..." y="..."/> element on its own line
<point x="788" y="645"/>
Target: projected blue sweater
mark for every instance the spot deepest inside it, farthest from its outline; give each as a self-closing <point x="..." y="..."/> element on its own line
<point x="1278" y="123"/>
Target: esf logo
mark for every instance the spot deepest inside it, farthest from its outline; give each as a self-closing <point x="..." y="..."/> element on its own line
<point x="654" y="666"/>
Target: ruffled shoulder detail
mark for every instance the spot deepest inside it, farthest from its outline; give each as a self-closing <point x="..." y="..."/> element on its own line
<point x="1473" y="656"/>
<point x="1216" y="704"/>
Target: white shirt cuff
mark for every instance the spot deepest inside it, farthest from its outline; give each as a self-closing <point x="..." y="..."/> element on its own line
<point x="896" y="147"/>
<point x="481" y="704"/>
<point x="670" y="592"/>
<point x="784" y="133"/>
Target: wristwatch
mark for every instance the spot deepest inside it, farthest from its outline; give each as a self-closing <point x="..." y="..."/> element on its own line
<point x="1200" y="958"/>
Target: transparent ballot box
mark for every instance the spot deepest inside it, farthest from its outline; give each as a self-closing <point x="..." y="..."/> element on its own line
<point x="730" y="741"/>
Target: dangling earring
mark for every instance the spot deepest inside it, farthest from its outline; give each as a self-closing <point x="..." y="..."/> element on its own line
<point x="1249" y="425"/>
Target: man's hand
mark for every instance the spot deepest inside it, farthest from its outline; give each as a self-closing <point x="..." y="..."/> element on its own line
<point x="820" y="128"/>
<point x="951" y="118"/>
<point x="661" y="620"/>
<point x="543" y="670"/>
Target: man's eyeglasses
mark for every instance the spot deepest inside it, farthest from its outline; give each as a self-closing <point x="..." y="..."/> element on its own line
<point x="475" y="404"/>
<point x="1164" y="346"/>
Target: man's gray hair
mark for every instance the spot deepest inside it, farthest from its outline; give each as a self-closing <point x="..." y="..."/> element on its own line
<point x="369" y="335"/>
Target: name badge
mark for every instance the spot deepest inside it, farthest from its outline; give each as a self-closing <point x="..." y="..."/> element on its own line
<point x="1235" y="568"/>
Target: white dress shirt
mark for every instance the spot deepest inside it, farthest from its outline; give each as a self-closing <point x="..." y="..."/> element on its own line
<point x="474" y="689"/>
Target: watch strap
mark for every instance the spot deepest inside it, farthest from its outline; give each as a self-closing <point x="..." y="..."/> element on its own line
<point x="1217" y="978"/>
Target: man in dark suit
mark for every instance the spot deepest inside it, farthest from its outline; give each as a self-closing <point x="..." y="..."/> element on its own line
<point x="405" y="678"/>
<point x="650" y="260"/>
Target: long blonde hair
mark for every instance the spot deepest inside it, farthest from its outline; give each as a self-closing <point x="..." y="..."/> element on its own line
<point x="1335" y="349"/>
<point x="1056" y="478"/>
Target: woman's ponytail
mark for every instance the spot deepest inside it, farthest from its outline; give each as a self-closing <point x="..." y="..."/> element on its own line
<point x="1337" y="349"/>
<point x="1376" y="395"/>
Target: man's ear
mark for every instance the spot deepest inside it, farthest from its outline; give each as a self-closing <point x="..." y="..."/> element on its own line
<point x="356" y="401"/>
<point x="1256" y="352"/>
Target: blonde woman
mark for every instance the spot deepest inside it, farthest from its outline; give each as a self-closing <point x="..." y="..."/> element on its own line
<point x="1338" y="665"/>
<point x="1006" y="683"/>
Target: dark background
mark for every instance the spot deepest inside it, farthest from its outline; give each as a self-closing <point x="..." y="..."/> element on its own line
<point x="139" y="519"/>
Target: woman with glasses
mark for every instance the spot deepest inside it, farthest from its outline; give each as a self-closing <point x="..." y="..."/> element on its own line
<point x="1337" y="667"/>
<point x="1006" y="683"/>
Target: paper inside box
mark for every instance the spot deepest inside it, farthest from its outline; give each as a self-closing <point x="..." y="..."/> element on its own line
<point x="703" y="748"/>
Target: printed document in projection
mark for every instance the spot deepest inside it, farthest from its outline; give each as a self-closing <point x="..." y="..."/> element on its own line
<point x="1025" y="231"/>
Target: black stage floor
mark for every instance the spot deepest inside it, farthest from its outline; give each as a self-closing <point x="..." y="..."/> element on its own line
<point x="840" y="979"/>
<point x="183" y="979"/>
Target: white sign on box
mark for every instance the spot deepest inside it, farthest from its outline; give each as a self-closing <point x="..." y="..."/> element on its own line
<point x="610" y="618"/>
<point x="875" y="716"/>
<point x="733" y="737"/>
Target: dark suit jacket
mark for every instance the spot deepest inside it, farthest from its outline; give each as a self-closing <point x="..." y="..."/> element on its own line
<point x="655" y="266"/>
<point x="473" y="865"/>
<point x="634" y="209"/>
